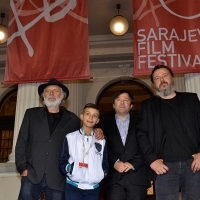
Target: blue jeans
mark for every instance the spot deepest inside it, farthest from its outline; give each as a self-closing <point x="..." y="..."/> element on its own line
<point x="179" y="178"/>
<point x="74" y="193"/>
<point x="30" y="191"/>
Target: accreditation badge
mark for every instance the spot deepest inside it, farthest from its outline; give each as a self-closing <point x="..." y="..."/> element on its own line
<point x="83" y="165"/>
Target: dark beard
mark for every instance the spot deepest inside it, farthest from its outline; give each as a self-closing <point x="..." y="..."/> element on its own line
<point x="165" y="92"/>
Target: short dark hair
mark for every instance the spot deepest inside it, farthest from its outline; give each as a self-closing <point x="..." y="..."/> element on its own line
<point x="91" y="105"/>
<point x="160" y="67"/>
<point x="121" y="92"/>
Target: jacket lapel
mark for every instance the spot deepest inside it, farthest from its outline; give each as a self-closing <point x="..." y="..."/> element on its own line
<point x="115" y="131"/>
<point x="132" y="125"/>
<point x="157" y="118"/>
<point x="43" y="118"/>
<point x="156" y="110"/>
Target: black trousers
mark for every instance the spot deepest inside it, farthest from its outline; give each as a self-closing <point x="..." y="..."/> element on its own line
<point x="124" y="190"/>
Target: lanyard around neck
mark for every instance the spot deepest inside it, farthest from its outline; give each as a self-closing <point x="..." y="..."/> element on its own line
<point x="85" y="153"/>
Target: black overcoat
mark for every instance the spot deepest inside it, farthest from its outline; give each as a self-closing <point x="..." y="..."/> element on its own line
<point x="39" y="151"/>
<point x="151" y="132"/>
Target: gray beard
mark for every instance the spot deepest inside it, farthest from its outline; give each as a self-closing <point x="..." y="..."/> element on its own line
<point x="165" y="92"/>
<point x="52" y="104"/>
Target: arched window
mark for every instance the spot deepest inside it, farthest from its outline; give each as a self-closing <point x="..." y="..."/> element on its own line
<point x="138" y="89"/>
<point x="7" y="118"/>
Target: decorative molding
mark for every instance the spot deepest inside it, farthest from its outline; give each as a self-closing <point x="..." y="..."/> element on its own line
<point x="124" y="69"/>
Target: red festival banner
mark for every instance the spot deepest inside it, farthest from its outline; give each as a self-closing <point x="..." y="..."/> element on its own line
<point x="166" y="32"/>
<point x="47" y="38"/>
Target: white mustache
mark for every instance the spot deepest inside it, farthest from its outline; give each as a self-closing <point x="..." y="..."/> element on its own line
<point x="51" y="97"/>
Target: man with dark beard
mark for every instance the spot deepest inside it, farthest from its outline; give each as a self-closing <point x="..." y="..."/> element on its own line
<point x="39" y="144"/>
<point x="169" y="138"/>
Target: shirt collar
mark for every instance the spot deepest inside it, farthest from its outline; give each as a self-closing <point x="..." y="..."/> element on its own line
<point x="127" y="117"/>
<point x="82" y="132"/>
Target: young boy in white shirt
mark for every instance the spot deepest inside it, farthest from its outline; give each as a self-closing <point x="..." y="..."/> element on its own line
<point x="84" y="158"/>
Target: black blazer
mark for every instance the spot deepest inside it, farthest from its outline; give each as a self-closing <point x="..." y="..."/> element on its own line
<point x="151" y="132"/>
<point x="128" y="153"/>
<point x="39" y="151"/>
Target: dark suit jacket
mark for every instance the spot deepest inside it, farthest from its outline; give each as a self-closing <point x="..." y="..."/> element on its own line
<point x="151" y="132"/>
<point x="128" y="153"/>
<point x="39" y="151"/>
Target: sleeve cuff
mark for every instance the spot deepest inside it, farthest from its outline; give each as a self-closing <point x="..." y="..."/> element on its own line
<point x="67" y="168"/>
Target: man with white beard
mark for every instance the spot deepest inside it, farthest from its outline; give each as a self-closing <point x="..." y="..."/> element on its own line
<point x="169" y="138"/>
<point x="39" y="144"/>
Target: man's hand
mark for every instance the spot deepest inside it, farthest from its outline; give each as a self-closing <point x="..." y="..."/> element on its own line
<point x="196" y="163"/>
<point x="159" y="167"/>
<point x="99" y="134"/>
<point x="24" y="173"/>
<point x="128" y="166"/>
<point x="120" y="166"/>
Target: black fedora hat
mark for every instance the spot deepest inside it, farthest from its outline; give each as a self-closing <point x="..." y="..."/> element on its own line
<point x="53" y="81"/>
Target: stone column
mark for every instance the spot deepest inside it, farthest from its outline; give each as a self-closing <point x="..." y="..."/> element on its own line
<point x="27" y="97"/>
<point x="192" y="83"/>
<point x="74" y="102"/>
